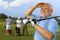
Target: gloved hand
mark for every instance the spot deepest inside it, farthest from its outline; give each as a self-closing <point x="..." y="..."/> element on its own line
<point x="33" y="21"/>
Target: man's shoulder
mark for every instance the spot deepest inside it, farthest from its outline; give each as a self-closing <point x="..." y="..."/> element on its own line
<point x="53" y="21"/>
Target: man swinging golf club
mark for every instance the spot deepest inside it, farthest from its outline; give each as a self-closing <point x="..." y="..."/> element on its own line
<point x="46" y="29"/>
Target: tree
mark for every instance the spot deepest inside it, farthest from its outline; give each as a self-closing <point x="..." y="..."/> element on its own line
<point x="3" y="16"/>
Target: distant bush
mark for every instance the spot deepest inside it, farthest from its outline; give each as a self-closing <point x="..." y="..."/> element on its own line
<point x="3" y="16"/>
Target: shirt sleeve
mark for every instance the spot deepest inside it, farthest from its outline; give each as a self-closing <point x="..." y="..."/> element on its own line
<point x="53" y="26"/>
<point x="35" y="16"/>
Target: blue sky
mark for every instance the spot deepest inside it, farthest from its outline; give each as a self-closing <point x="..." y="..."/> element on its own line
<point x="17" y="8"/>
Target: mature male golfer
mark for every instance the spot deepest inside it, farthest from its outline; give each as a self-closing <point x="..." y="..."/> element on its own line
<point x="46" y="29"/>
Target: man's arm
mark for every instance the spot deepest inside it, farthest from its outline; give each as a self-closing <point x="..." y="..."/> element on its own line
<point x="30" y="10"/>
<point x="45" y="33"/>
<point x="5" y="20"/>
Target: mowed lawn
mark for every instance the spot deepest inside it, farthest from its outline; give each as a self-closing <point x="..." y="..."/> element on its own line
<point x="13" y="37"/>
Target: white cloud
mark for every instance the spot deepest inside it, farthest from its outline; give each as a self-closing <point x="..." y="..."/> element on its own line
<point x="3" y="4"/>
<point x="15" y="3"/>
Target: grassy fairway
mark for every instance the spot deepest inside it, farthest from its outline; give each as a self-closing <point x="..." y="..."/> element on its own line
<point x="58" y="34"/>
<point x="13" y="37"/>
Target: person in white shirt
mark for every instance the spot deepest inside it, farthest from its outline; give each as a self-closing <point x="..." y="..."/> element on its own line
<point x="25" y="20"/>
<point x="8" y="23"/>
<point x="18" y="26"/>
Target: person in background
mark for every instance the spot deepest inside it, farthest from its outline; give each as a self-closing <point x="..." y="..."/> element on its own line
<point x="25" y="20"/>
<point x="46" y="29"/>
<point x="18" y="26"/>
<point x="8" y="24"/>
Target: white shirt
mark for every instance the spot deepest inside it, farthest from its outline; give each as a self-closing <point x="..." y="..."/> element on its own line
<point x="18" y="23"/>
<point x="25" y="21"/>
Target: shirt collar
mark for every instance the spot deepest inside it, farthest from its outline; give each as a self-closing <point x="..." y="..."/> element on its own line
<point x="46" y="17"/>
<point x="49" y="17"/>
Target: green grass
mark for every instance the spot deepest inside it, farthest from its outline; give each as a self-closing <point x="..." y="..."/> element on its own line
<point x="58" y="34"/>
<point x="13" y="37"/>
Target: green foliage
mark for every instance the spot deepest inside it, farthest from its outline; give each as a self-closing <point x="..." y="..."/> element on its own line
<point x="3" y="16"/>
<point x="59" y="21"/>
<point x="13" y="37"/>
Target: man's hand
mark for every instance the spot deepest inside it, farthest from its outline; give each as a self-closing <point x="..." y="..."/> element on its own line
<point x="33" y="21"/>
<point x="39" y="5"/>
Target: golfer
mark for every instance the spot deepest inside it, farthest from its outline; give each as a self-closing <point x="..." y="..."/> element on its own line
<point x="25" y="20"/>
<point x="8" y="24"/>
<point x="18" y="26"/>
<point x="46" y="29"/>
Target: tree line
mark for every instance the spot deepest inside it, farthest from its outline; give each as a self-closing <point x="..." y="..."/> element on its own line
<point x="3" y="16"/>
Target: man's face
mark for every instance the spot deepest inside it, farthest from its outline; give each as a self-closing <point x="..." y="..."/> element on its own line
<point x="45" y="11"/>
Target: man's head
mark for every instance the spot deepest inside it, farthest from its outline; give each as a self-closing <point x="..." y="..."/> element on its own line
<point x="9" y="16"/>
<point x="46" y="9"/>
